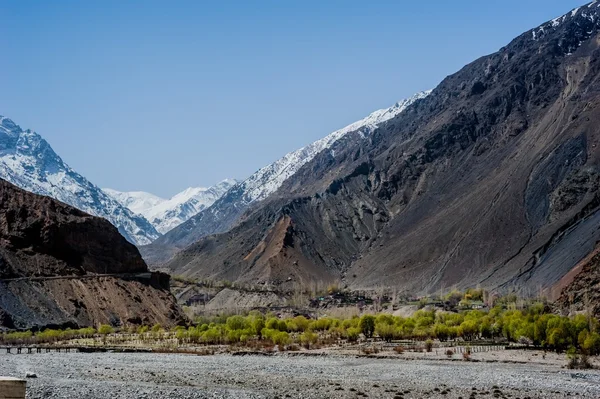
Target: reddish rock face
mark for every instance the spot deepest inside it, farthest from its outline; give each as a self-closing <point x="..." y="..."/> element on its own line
<point x="45" y="239"/>
<point x="582" y="290"/>
<point x="36" y="229"/>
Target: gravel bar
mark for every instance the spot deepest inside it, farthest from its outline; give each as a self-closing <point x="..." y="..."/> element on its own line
<point x="148" y="375"/>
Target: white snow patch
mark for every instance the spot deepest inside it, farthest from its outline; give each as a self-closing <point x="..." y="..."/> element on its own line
<point x="166" y="214"/>
<point x="268" y="179"/>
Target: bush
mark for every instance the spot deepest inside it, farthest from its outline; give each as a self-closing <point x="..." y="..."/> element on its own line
<point x="281" y="338"/>
<point x="449" y="353"/>
<point x="525" y="341"/>
<point x="467" y="354"/>
<point x="308" y="338"/>
<point x="302" y="323"/>
<point x="353" y="333"/>
<point x="322" y="324"/>
<point x="578" y="361"/>
<point x="428" y="345"/>
<point x="142" y="330"/>
<point x="369" y="350"/>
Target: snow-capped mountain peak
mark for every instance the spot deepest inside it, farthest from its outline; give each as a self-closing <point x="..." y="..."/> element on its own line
<point x="166" y="214"/>
<point x="136" y="201"/>
<point x="28" y="161"/>
<point x="268" y="179"/>
<point x="224" y="213"/>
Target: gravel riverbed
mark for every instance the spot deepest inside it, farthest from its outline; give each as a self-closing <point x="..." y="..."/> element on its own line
<point x="139" y="375"/>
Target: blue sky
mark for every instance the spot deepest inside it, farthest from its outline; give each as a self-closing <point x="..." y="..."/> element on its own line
<point x="154" y="96"/>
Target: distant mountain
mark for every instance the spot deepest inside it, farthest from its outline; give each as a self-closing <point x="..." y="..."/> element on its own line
<point x="493" y="179"/>
<point x="28" y="161"/>
<point x="226" y="210"/>
<point x="166" y="214"/>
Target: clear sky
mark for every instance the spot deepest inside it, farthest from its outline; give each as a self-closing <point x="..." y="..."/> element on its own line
<point x="159" y="96"/>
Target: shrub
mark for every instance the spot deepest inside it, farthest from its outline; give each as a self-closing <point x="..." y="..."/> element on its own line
<point x="212" y="336"/>
<point x="353" y="333"/>
<point x="449" y="353"/>
<point x="369" y="350"/>
<point x="281" y="338"/>
<point x="257" y="324"/>
<point x="578" y="361"/>
<point x="525" y="341"/>
<point x="308" y="338"/>
<point x="428" y="345"/>
<point x="467" y="354"/>
<point x="301" y="323"/>
<point x="142" y="330"/>
<point x="322" y="324"/>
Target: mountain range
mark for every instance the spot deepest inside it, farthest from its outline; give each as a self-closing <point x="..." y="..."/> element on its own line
<point x="492" y="179"/>
<point x="166" y="214"/>
<point x="29" y="162"/>
<point x="227" y="210"/>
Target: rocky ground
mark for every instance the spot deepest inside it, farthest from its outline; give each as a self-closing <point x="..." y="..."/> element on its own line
<point x="116" y="376"/>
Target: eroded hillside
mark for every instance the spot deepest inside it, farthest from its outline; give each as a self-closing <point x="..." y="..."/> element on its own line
<point x="51" y="260"/>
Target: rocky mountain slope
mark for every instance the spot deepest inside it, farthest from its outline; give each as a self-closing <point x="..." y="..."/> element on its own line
<point x="50" y="256"/>
<point x="226" y="211"/>
<point x="28" y="161"/>
<point x="580" y="288"/>
<point x="166" y="214"/>
<point x="492" y="179"/>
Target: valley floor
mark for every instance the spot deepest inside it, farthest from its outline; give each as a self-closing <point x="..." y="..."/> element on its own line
<point x="147" y="375"/>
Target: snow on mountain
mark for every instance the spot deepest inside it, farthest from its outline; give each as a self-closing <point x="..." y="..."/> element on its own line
<point x="268" y="179"/>
<point x="137" y="201"/>
<point x="224" y="213"/>
<point x="166" y="214"/>
<point x="28" y="161"/>
<point x="587" y="13"/>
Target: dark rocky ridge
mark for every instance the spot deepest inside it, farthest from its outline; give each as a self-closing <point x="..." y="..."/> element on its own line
<point x="492" y="179"/>
<point x="42" y="240"/>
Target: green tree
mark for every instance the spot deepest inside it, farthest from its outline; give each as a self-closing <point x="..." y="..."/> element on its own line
<point x="105" y="329"/>
<point x="367" y="325"/>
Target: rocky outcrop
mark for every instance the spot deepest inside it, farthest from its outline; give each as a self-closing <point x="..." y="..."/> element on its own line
<point x="62" y="267"/>
<point x="489" y="180"/>
<point x="582" y="291"/>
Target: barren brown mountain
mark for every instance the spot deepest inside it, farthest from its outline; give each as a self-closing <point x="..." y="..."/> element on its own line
<point x="50" y="257"/>
<point x="491" y="180"/>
